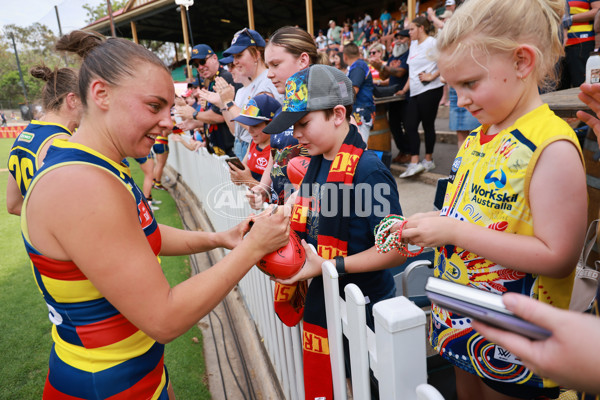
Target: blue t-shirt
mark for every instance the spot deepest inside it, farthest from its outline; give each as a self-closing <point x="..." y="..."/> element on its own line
<point x="375" y="196"/>
<point x="360" y="75"/>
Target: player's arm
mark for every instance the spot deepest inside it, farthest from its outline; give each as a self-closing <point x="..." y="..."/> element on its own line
<point x="119" y="261"/>
<point x="177" y="242"/>
<point x="587" y="15"/>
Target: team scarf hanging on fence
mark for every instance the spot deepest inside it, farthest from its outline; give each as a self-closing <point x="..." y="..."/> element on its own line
<point x="332" y="240"/>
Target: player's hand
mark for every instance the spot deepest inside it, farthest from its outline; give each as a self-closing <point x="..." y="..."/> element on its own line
<point x="270" y="231"/>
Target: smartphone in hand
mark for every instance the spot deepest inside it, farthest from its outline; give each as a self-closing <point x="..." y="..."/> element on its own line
<point x="480" y="305"/>
<point x="235" y="161"/>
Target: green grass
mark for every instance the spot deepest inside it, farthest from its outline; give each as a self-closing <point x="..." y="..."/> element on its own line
<point x="24" y="326"/>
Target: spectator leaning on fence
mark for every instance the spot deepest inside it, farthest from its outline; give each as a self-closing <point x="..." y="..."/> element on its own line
<point x="290" y="50"/>
<point x="247" y="49"/>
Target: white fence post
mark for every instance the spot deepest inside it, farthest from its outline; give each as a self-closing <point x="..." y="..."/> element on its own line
<point x="334" y="330"/>
<point x="400" y="348"/>
<point x="356" y="332"/>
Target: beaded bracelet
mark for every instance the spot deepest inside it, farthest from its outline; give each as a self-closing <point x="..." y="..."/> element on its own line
<point x="386" y="241"/>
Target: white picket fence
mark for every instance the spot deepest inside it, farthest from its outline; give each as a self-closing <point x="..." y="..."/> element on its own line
<point x="395" y="352"/>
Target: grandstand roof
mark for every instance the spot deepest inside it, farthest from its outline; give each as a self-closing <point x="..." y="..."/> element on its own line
<point x="215" y="22"/>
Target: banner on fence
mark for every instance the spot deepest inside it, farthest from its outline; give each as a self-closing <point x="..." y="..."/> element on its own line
<point x="11" y="132"/>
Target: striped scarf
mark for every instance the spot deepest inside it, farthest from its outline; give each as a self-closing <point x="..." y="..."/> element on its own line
<point x="332" y="240"/>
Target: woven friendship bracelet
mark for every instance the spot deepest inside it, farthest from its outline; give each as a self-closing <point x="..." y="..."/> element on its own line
<point x="386" y="241"/>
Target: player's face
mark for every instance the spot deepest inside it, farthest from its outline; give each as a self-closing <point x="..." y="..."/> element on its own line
<point x="140" y="110"/>
<point x="487" y="85"/>
<point x="281" y="65"/>
<point x="309" y="131"/>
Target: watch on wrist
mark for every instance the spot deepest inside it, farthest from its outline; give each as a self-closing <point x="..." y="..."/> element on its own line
<point x="228" y="105"/>
<point x="195" y="114"/>
<point x="340" y="266"/>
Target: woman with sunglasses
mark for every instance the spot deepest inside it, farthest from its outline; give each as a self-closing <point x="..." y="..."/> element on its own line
<point x="211" y="118"/>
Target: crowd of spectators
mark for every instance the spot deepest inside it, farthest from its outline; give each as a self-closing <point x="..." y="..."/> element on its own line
<point x="373" y="52"/>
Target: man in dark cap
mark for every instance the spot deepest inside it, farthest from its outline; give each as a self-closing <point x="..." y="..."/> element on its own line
<point x="220" y="139"/>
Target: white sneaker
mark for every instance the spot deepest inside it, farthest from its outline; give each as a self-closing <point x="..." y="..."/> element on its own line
<point x="413" y="169"/>
<point x="428" y="165"/>
<point x="156" y="202"/>
<point x="154" y="208"/>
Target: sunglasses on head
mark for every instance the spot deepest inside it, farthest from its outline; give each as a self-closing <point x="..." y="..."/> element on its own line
<point x="374" y="52"/>
<point x="244" y="31"/>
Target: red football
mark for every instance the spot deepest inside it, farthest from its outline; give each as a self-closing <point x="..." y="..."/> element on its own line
<point x="296" y="169"/>
<point x="285" y="262"/>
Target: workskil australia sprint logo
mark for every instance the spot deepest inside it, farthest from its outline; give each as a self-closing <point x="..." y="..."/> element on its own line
<point x="493" y="196"/>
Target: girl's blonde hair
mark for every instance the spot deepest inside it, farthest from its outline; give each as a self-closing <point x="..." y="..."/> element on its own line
<point x="494" y="26"/>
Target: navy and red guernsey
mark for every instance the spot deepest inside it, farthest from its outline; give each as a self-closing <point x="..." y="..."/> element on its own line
<point x="97" y="353"/>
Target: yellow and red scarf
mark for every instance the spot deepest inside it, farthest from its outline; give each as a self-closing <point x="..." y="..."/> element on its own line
<point x="332" y="240"/>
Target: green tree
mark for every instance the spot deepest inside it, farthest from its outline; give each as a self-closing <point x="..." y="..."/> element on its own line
<point x="35" y="45"/>
<point x="94" y="13"/>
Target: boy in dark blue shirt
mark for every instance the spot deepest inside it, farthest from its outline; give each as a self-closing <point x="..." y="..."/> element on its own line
<point x="345" y="193"/>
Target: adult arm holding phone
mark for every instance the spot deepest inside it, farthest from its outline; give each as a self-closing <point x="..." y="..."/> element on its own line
<point x="569" y="357"/>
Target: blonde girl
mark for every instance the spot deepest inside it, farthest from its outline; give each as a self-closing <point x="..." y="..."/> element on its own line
<point x="514" y="213"/>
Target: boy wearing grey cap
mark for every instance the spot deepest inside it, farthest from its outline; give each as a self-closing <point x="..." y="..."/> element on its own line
<point x="343" y="196"/>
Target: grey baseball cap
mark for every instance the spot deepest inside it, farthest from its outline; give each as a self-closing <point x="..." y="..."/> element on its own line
<point x="318" y="87"/>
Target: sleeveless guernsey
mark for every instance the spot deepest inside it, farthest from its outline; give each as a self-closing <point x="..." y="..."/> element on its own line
<point x="489" y="186"/>
<point x="97" y="352"/>
<point x="23" y="158"/>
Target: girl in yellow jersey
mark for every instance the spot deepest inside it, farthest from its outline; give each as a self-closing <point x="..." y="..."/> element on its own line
<point x="515" y="210"/>
<point x="570" y="356"/>
<point x="108" y="333"/>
